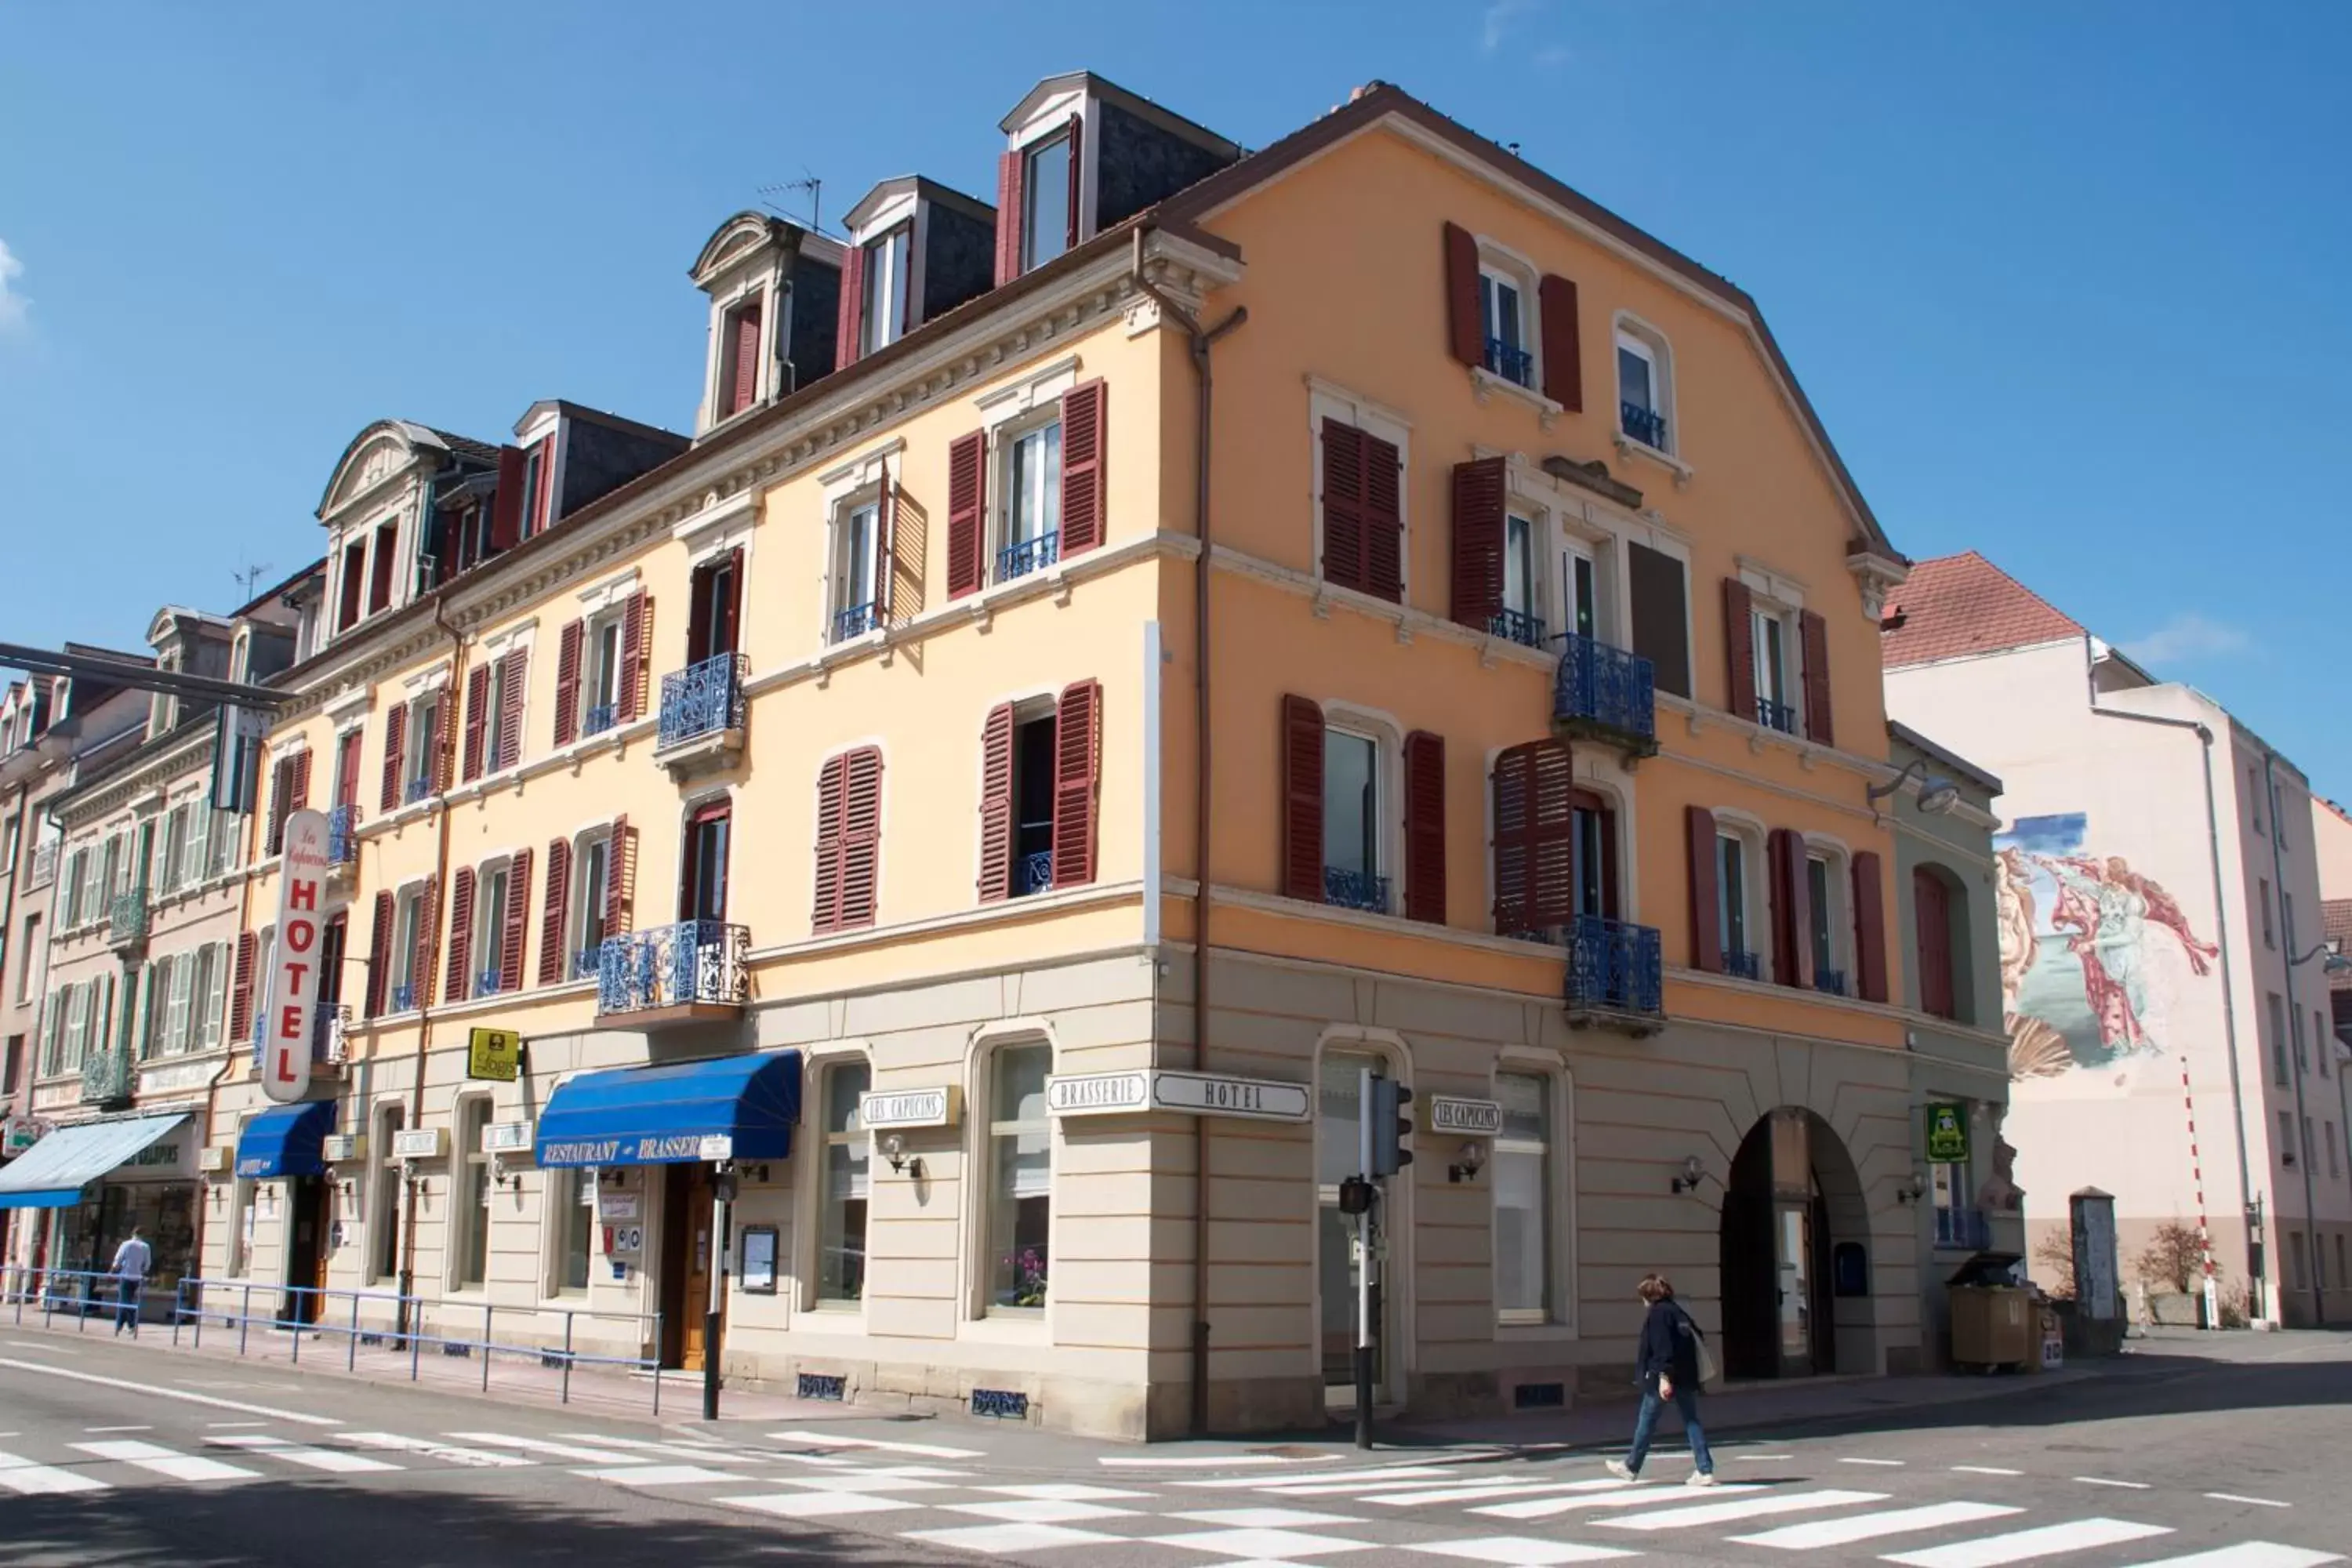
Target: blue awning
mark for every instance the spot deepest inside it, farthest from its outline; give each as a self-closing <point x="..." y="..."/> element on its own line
<point x="53" y="1172"/>
<point x="285" y="1141"/>
<point x="732" y="1108"/>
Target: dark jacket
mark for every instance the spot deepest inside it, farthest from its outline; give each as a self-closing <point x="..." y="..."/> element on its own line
<point x="1669" y="1344"/>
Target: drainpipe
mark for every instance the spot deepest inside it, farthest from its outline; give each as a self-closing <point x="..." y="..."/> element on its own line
<point x="1201" y="343"/>
<point x="447" y="726"/>
<point x="2313" y="1262"/>
<point x="2221" y="937"/>
<point x="24" y="837"/>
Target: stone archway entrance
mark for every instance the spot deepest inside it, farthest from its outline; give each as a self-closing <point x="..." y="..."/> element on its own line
<point x="1793" y="1236"/>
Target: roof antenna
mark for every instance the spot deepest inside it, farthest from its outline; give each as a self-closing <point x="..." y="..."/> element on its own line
<point x="808" y="185"/>
<point x="246" y="578"/>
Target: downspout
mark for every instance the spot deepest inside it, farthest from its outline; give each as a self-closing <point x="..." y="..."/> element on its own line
<point x="2221" y="937"/>
<point x="2315" y="1263"/>
<point x="447" y="725"/>
<point x="25" y="838"/>
<point x="1201" y="343"/>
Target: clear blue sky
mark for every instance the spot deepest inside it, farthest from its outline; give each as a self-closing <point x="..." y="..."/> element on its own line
<point x="2066" y="283"/>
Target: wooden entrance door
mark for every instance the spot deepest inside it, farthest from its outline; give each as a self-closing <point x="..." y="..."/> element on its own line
<point x="687" y="1213"/>
<point x="306" y="1263"/>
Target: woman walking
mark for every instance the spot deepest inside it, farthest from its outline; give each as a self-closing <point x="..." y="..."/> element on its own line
<point x="1667" y="1367"/>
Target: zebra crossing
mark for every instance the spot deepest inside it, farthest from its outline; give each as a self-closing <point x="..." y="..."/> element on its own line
<point x="1370" y="1516"/>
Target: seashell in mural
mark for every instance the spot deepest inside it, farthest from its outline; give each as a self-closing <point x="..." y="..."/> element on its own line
<point x="2035" y="1049"/>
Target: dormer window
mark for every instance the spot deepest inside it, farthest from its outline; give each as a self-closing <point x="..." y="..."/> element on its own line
<point x="1049" y="199"/>
<point x="740" y="378"/>
<point x="889" y="262"/>
<point x="533" y="515"/>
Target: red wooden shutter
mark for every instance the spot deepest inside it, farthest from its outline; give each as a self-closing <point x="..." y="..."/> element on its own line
<point x="510" y="689"/>
<point x="637" y="655"/>
<point x="746" y="359"/>
<point x="379" y="967"/>
<point x="1739" y="650"/>
<point x="1814" y="637"/>
<point x="1302" y="798"/>
<point x="1792" y="925"/>
<point x="1551" y="837"/>
<point x="395" y="750"/>
<point x="506" y="502"/>
<point x="347" y="767"/>
<point x="1869" y="927"/>
<point x="1072" y="230"/>
<point x="240" y="991"/>
<point x="1383" y="520"/>
<point x="1513" y="786"/>
<point x="354" y="586"/>
<point x="1424" y="828"/>
<point x="1706" y="941"/>
<point x="1465" y="334"/>
<point x="387" y="543"/>
<point x="1078" y="777"/>
<point x="885" y="576"/>
<point x="1478" y="487"/>
<point x="621" y="880"/>
<point x="545" y="500"/>
<point x="698" y="612"/>
<point x="1085" y="410"/>
<point x="849" y="329"/>
<point x="458" y="985"/>
<point x="567" y="681"/>
<point x="281" y="787"/>
<point x="428" y="926"/>
<point x="478" y="718"/>
<point x="1931" y="925"/>
<point x="1343" y="504"/>
<point x="996" y="804"/>
<point x="727" y="636"/>
<point x="832" y="792"/>
<point x="1563" y="343"/>
<point x="1009" y="171"/>
<point x="861" y="837"/>
<point x="555" y="963"/>
<point x="967" y="499"/>
<point x="516" y="927"/>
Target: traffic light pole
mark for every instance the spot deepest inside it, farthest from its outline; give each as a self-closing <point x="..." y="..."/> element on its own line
<point x="1364" y="1269"/>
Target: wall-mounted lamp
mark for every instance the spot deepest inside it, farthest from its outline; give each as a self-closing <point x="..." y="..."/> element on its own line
<point x="1693" y="1172"/>
<point x="1913" y="1188"/>
<point x="1472" y="1159"/>
<point x="1937" y="797"/>
<point x="894" y="1149"/>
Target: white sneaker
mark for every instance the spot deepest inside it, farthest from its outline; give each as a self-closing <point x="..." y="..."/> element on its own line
<point x="1699" y="1478"/>
<point x="1618" y="1468"/>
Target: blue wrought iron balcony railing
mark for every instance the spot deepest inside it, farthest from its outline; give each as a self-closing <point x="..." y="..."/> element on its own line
<point x="855" y="622"/>
<point x="1646" y="425"/>
<point x="342" y="835"/>
<point x="1600" y="690"/>
<point x="585" y="964"/>
<point x="691" y="964"/>
<point x="1355" y="890"/>
<point x="403" y="998"/>
<point x="1744" y="965"/>
<point x="1831" y="981"/>
<point x="1776" y="716"/>
<point x="1613" y="966"/>
<point x="598" y="720"/>
<point x="106" y="1075"/>
<point x="704" y="699"/>
<point x="417" y="789"/>
<point x="1967" y="1228"/>
<point x="126" y="917"/>
<point x="1517" y="626"/>
<point x="1512" y="363"/>
<point x="486" y="984"/>
<point x="1032" y="873"/>
<point x="1027" y="556"/>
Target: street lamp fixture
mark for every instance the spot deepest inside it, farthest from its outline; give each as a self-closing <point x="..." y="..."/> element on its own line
<point x="1937" y="797"/>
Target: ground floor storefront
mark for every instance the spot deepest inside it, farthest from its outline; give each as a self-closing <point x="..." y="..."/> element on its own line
<point x="88" y="1184"/>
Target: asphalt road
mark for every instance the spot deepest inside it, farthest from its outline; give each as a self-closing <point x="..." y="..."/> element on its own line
<point x="112" y="1454"/>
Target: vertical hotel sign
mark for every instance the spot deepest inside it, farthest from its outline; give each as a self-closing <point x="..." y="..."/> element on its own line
<point x="291" y="998"/>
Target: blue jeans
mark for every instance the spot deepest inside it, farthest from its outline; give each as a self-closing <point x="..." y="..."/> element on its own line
<point x="126" y="1309"/>
<point x="1685" y="1401"/>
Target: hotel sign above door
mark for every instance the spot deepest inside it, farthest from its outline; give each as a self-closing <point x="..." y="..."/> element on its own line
<point x="1186" y="1093"/>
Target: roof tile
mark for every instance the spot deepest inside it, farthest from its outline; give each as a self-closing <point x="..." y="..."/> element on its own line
<point x="1963" y="603"/>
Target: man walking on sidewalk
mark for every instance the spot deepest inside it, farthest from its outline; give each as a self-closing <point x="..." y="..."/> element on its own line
<point x="1667" y="1366"/>
<point x="131" y="1261"/>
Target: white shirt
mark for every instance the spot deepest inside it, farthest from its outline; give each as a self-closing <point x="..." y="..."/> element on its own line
<point x="133" y="1259"/>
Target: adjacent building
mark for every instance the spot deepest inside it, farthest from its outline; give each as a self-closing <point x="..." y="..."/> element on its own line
<point x="2161" y="952"/>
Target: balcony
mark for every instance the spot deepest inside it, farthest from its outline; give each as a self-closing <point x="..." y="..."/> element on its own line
<point x="106" y="1075"/>
<point x="1742" y="965"/>
<point x="1029" y="555"/>
<point x="126" y="918"/>
<point x="486" y="984"/>
<point x="45" y="866"/>
<point x="599" y="719"/>
<point x="1830" y="982"/>
<point x="1513" y="364"/>
<point x="855" y="621"/>
<point x="1603" y="693"/>
<point x="1033" y="874"/>
<point x="1355" y="890"/>
<point x="342" y="841"/>
<point x="1643" y="424"/>
<point x="1518" y="626"/>
<point x="703" y="711"/>
<point x="1776" y="716"/>
<point x="1963" y="1228"/>
<point x="1613" y="976"/>
<point x="677" y="973"/>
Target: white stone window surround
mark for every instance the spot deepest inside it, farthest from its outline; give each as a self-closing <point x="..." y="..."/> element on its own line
<point x="977" y="1322"/>
<point x="1327" y="400"/>
<point x="910" y="212"/>
<point x="403" y="957"/>
<point x="459" y="1213"/>
<point x="1647" y="341"/>
<point x="1756" y="905"/>
<point x="578" y="907"/>
<point x="518" y="637"/>
<point x="1837" y="858"/>
<point x="1521" y="271"/>
<point x="1387" y="733"/>
<point x="1047" y="121"/>
<point x="1582" y="520"/>
<point x="1776" y="597"/>
<point x="808" y="1216"/>
<point x="1560" y="1320"/>
<point x="487" y="932"/>
<point x="1603" y="773"/>
<point x="763" y="285"/>
<point x="382" y="1173"/>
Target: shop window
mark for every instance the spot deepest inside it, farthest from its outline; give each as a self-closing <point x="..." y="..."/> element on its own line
<point x="472" y="1216"/>
<point x="1522" y="1185"/>
<point x="573" y="1195"/>
<point x="1020" y="1165"/>
<point x="841" y="1219"/>
<point x="383" y="1218"/>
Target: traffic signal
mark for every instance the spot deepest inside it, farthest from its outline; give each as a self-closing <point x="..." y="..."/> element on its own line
<point x="1392" y="1125"/>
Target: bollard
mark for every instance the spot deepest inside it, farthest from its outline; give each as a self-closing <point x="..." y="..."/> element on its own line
<point x="568" y="1317"/>
<point x="351" y="1346"/>
<point x="415" y="1314"/>
<point x="244" y="1320"/>
<point x="297" y="1324"/>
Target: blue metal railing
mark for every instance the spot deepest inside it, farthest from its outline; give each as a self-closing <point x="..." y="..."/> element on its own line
<point x="1615" y="966"/>
<point x="81" y="1293"/>
<point x="854" y="621"/>
<point x="673" y="965"/>
<point x="1645" y="425"/>
<point x="1746" y="965"/>
<point x="703" y="698"/>
<point x="1029" y="555"/>
<point x="1963" y="1228"/>
<point x="1607" y="686"/>
<point x="1776" y="716"/>
<point x="418" y="788"/>
<point x="598" y="720"/>
<point x="486" y="984"/>
<point x="342" y="835"/>
<point x="585" y="964"/>
<point x="1032" y="873"/>
<point x="1512" y="363"/>
<point x="403" y="998"/>
<point x="1831" y="981"/>
<point x="1518" y="626"/>
<point x="1355" y="890"/>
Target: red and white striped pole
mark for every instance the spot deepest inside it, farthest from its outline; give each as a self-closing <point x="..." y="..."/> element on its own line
<point x="2197" y="1171"/>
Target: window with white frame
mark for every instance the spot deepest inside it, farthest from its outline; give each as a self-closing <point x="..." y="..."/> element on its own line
<point x="494" y="707"/>
<point x="1583" y="595"/>
<point x="1778" y="674"/>
<point x="1521" y="616"/>
<point x="1825" y="906"/>
<point x="1735" y="928"/>
<point x="422" y="740"/>
<point x="1505" y="319"/>
<point x="1030" y="481"/>
<point x="383" y="1209"/>
<point x="889" y="262"/>
<point x="842" y="1197"/>
<point x="1523" y="1209"/>
<point x="1643" y="381"/>
<point x="572" y="1199"/>
<point x="240" y="1224"/>
<point x="471" y="1255"/>
<point x="490" y="926"/>
<point x="600" y="672"/>
<point x="407" y="928"/>
<point x="1046" y="187"/>
<point x="210" y="991"/>
<point x="592" y="881"/>
<point x="1020" y="1166"/>
<point x="858" y="590"/>
<point x="1354" y="854"/>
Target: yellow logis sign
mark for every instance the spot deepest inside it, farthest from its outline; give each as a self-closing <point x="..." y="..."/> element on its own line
<point x="495" y="1053"/>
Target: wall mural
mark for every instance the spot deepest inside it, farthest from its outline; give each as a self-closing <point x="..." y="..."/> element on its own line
<point x="2082" y="936"/>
